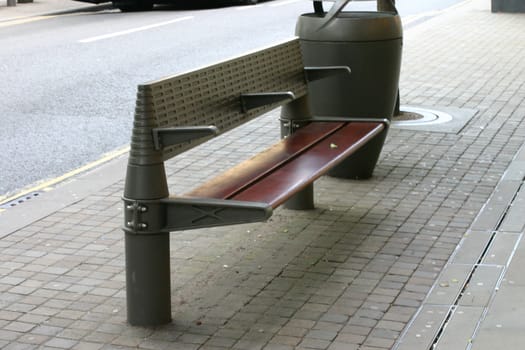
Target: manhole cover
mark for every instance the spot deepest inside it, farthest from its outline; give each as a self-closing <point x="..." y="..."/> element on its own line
<point x="437" y="119"/>
<point x="404" y="116"/>
<point x="418" y="116"/>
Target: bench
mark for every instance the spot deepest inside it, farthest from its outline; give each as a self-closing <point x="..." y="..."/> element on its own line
<point x="177" y="113"/>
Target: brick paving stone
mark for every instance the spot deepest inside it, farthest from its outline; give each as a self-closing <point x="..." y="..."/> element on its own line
<point x="312" y="343"/>
<point x="21" y="327"/>
<point x="249" y="344"/>
<point x="6" y="335"/>
<point x="100" y="337"/>
<point x="9" y="315"/>
<point x="343" y="346"/>
<point x="331" y="321"/>
<point x="30" y="338"/>
<point x="349" y="338"/>
<point x="278" y="347"/>
<point x="61" y="343"/>
<point x="230" y="333"/>
<point x="221" y="342"/>
<point x="378" y="343"/>
<point x="391" y="325"/>
<point x="286" y="340"/>
<point x="47" y="330"/>
<point x="19" y="346"/>
<point x="321" y="334"/>
<point x="193" y="338"/>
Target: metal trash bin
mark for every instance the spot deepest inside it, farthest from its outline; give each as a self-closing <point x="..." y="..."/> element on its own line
<point x="512" y="6"/>
<point x="370" y="44"/>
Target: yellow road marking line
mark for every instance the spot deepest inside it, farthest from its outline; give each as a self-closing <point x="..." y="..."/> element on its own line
<point x="17" y="21"/>
<point x="46" y="186"/>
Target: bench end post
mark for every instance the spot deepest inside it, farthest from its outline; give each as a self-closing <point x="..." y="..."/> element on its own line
<point x="294" y="115"/>
<point x="148" y="290"/>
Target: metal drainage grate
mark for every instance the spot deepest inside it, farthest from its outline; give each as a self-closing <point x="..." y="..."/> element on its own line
<point x="438" y="119"/>
<point x="20" y="200"/>
<point x="418" y="116"/>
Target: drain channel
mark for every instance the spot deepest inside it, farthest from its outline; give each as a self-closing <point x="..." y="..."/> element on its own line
<point x="478" y="263"/>
<point x="20" y="200"/>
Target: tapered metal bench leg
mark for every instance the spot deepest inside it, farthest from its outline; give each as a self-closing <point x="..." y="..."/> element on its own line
<point x="360" y="165"/>
<point x="148" y="284"/>
<point x="303" y="200"/>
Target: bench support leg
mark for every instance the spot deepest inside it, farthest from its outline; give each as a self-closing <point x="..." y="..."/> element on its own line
<point x="361" y="164"/>
<point x="294" y="115"/>
<point x="303" y="200"/>
<point x="148" y="276"/>
<point x="148" y="291"/>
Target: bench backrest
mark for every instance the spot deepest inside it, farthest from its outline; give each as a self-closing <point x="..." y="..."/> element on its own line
<point x="212" y="96"/>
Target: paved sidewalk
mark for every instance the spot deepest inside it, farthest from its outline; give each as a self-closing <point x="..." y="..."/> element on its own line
<point x="426" y="252"/>
<point x="40" y="8"/>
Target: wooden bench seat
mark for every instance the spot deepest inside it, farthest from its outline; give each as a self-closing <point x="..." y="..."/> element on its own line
<point x="275" y="175"/>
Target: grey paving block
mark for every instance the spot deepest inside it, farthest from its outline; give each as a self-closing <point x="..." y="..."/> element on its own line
<point x="501" y="248"/>
<point x="504" y="325"/>
<point x="516" y="170"/>
<point x="449" y="284"/>
<point x="459" y="330"/>
<point x="489" y="218"/>
<point x="424" y="328"/>
<point x="481" y="286"/>
<point x="471" y="247"/>
<point x="514" y="275"/>
<point x="514" y="221"/>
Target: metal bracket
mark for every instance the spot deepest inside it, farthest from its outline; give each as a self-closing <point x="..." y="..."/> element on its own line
<point x="251" y="101"/>
<point x="164" y="137"/>
<point x="351" y="119"/>
<point x="176" y="214"/>
<point x="318" y="7"/>
<point x="143" y="216"/>
<point x="317" y="73"/>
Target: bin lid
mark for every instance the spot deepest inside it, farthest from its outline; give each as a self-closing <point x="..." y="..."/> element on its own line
<point x="350" y="26"/>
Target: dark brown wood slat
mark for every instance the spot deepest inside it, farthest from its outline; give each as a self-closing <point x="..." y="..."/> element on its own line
<point x="241" y="176"/>
<point x="283" y="182"/>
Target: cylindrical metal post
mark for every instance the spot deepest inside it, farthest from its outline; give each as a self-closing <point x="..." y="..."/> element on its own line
<point x="148" y="287"/>
<point x="515" y="6"/>
<point x="11" y="2"/>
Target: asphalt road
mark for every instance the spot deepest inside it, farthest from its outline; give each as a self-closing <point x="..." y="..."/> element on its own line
<point x="68" y="82"/>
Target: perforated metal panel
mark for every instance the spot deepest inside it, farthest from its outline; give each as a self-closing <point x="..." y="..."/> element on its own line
<point x="211" y="96"/>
